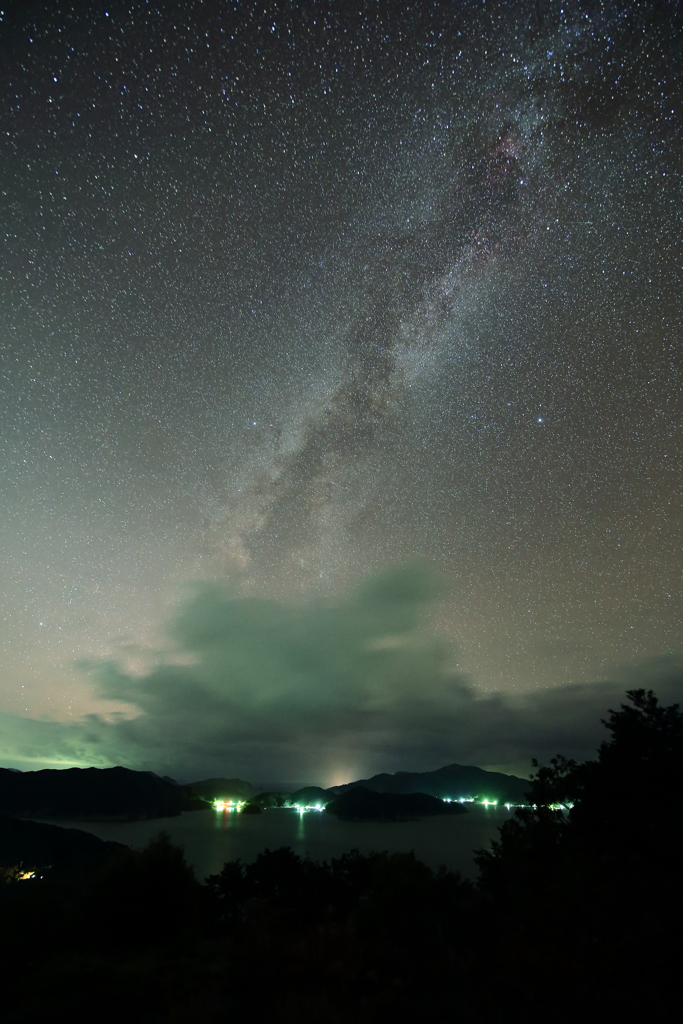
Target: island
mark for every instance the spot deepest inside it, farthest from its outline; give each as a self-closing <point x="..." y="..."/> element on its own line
<point x="363" y="804"/>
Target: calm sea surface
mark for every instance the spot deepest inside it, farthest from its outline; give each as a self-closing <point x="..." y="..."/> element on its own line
<point x="210" y="838"/>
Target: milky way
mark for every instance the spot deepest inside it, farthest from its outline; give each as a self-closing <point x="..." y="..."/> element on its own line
<point x="294" y="294"/>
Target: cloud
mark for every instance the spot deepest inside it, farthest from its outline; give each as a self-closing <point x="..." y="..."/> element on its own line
<point x="31" y="745"/>
<point x="264" y="689"/>
<point x="253" y="682"/>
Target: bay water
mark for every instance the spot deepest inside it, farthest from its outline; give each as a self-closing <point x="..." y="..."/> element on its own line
<point x="210" y="838"/>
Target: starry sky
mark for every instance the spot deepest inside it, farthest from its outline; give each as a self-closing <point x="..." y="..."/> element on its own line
<point x="341" y="381"/>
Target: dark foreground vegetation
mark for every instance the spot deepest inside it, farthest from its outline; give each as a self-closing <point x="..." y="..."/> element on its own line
<point x="71" y="853"/>
<point x="576" y="916"/>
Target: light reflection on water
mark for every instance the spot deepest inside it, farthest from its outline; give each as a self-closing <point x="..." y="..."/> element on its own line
<point x="210" y="837"/>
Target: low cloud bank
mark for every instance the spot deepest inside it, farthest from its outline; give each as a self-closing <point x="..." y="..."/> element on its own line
<point x="318" y="691"/>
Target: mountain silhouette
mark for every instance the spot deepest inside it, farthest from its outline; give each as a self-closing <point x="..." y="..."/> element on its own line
<point x="454" y="782"/>
<point x="115" y="794"/>
<point x="221" y="789"/>
<point x="65" y="853"/>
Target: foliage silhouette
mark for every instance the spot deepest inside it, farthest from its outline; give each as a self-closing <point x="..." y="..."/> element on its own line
<point x="252" y="808"/>
<point x="143" y="897"/>
<point x="576" y="913"/>
<point x="596" y="887"/>
<point x="639" y="772"/>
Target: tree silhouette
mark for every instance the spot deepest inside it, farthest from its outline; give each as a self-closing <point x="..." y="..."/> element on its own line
<point x="638" y="772"/>
<point x="576" y="913"/>
<point x="144" y="896"/>
<point x="593" y="887"/>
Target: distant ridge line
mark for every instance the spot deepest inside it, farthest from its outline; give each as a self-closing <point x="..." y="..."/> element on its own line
<point x="453" y="781"/>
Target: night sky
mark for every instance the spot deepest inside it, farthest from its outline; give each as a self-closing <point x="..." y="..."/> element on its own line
<point x="341" y="381"/>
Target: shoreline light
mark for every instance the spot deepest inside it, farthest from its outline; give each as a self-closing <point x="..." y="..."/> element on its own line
<point x="302" y="808"/>
<point x="228" y="805"/>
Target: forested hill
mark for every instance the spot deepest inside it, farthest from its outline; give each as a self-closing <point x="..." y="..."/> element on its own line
<point x="64" y="854"/>
<point x="212" y="789"/>
<point x="92" y="794"/>
<point x="361" y="804"/>
<point x="455" y="781"/>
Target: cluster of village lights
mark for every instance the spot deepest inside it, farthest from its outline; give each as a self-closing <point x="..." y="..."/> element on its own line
<point x="17" y="874"/>
<point x="237" y="805"/>
<point x="228" y="805"/>
<point x="485" y="802"/>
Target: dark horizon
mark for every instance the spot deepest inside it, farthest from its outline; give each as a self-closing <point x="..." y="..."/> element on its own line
<point x="581" y="888"/>
<point x="567" y="722"/>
